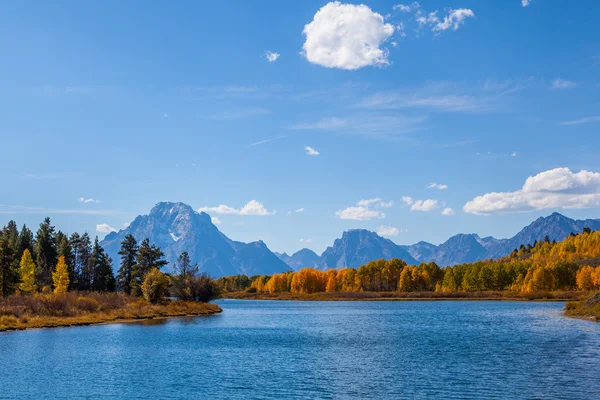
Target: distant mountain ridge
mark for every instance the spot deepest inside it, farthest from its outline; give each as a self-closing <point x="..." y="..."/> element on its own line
<point x="358" y="247"/>
<point x="176" y="227"/>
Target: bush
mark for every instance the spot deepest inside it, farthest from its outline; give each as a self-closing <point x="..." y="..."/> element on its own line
<point x="204" y="289"/>
<point x="87" y="304"/>
<point x="155" y="285"/>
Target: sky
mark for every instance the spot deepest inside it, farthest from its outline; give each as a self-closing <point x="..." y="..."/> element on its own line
<point x="294" y="121"/>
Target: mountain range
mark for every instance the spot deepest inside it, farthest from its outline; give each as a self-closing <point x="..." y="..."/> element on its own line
<point x="176" y="227"/>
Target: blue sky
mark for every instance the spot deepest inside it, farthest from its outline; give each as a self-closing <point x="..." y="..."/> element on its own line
<point x="133" y="103"/>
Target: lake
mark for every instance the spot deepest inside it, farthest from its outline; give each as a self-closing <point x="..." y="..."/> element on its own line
<point x="309" y="350"/>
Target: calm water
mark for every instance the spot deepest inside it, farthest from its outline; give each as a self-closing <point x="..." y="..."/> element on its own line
<point x="283" y="350"/>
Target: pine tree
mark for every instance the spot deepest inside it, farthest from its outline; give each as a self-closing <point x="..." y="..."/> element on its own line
<point x="9" y="273"/>
<point x="148" y="257"/>
<point x="128" y="253"/>
<point x="82" y="252"/>
<point x="60" y="277"/>
<point x="27" y="273"/>
<point x="103" y="278"/>
<point x="25" y="241"/>
<point x="46" y="252"/>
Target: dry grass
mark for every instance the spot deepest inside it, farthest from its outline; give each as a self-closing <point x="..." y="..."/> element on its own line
<point x="404" y="296"/>
<point x="73" y="308"/>
<point x="586" y="307"/>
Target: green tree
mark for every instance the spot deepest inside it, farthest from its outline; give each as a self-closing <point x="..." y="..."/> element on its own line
<point x="9" y="273"/>
<point x="82" y="265"/>
<point x="128" y="253"/>
<point x="184" y="277"/>
<point x="25" y="241"/>
<point x="46" y="252"/>
<point x="148" y="257"/>
<point x="103" y="278"/>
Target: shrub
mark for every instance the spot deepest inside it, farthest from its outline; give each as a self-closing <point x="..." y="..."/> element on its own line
<point x="155" y="285"/>
<point x="87" y="304"/>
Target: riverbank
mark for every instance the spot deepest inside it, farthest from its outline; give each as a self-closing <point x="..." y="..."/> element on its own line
<point x="405" y="296"/>
<point x="76" y="309"/>
<point x="588" y="308"/>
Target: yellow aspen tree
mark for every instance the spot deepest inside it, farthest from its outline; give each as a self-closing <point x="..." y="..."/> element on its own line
<point x="27" y="273"/>
<point x="60" y="277"/>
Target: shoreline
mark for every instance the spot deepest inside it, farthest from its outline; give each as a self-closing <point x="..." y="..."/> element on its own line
<point x="130" y="311"/>
<point x="418" y="296"/>
<point x="108" y="321"/>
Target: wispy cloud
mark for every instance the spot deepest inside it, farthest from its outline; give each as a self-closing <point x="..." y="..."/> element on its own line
<point x="12" y="209"/>
<point x="438" y="186"/>
<point x="267" y="141"/>
<point x="365" y="210"/>
<point x="563" y="84"/>
<point x="367" y="125"/>
<point x="88" y="200"/>
<point x="236" y="114"/>
<point x="585" y="120"/>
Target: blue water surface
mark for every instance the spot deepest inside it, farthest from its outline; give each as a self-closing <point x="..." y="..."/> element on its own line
<point x="310" y="350"/>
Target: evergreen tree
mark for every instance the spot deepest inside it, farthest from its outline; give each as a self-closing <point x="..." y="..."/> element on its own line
<point x="25" y="241"/>
<point x="184" y="276"/>
<point x="103" y="278"/>
<point x="9" y="274"/>
<point x="82" y="253"/>
<point x="60" y="277"/>
<point x="46" y="252"/>
<point x="27" y="273"/>
<point x="148" y="257"/>
<point x="66" y="250"/>
<point x="128" y="253"/>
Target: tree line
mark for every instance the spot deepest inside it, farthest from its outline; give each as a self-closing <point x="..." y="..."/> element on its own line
<point x="543" y="266"/>
<point x="52" y="261"/>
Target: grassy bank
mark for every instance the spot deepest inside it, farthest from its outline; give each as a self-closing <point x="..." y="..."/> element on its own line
<point x="73" y="309"/>
<point x="404" y="296"/>
<point x="587" y="308"/>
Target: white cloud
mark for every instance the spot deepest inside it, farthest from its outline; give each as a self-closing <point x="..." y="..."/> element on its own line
<point x="105" y="228"/>
<point x="406" y="8"/>
<point x="366" y="125"/>
<point x="254" y="207"/>
<point x="424" y="205"/>
<point x="555" y="188"/>
<point x="448" y="211"/>
<point x="364" y="210"/>
<point x="359" y="213"/>
<point x="88" y="200"/>
<point x="305" y="240"/>
<point x="525" y="3"/>
<point x="220" y="209"/>
<point x="586" y="120"/>
<point x="439" y="186"/>
<point x="563" y="84"/>
<point x="407" y="200"/>
<point x="513" y="154"/>
<point x="215" y="220"/>
<point x="126" y="225"/>
<point x="300" y="210"/>
<point x="346" y="36"/>
<point x="310" y="151"/>
<point x="453" y="20"/>
<point x="387" y="231"/>
<point x="272" y="56"/>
